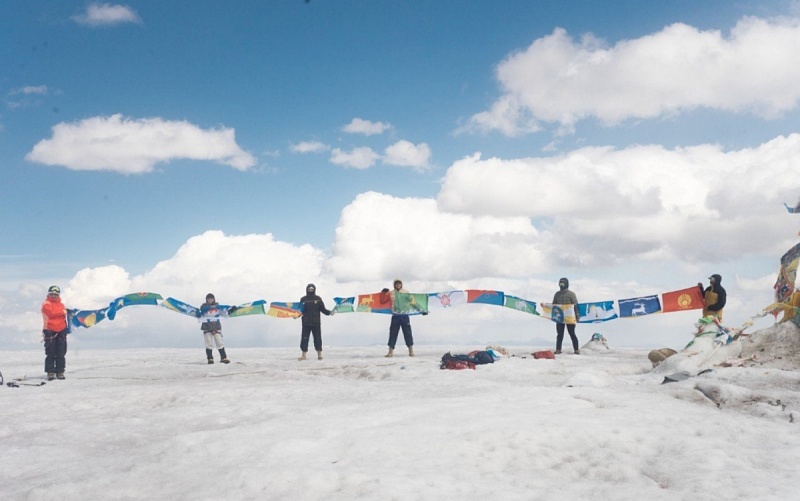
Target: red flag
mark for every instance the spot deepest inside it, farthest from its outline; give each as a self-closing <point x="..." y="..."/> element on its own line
<point x="371" y="303"/>
<point x="686" y="299"/>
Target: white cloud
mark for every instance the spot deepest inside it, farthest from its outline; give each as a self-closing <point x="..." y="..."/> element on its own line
<point x="309" y="147"/>
<point x="366" y="127"/>
<point x="407" y="154"/>
<point x="357" y="158"/>
<point x="601" y="205"/>
<point x="382" y="236"/>
<point x="562" y="81"/>
<point x="131" y="146"/>
<point x="30" y="89"/>
<point x="107" y="15"/>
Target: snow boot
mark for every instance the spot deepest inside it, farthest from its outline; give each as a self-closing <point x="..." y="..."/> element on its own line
<point x="577" y="352"/>
<point x="303" y="356"/>
<point x="210" y="356"/>
<point x="390" y="354"/>
<point x="51" y="376"/>
<point x="410" y="351"/>
<point x="60" y="375"/>
<point x="319" y="355"/>
<point x="558" y="352"/>
<point x="223" y="357"/>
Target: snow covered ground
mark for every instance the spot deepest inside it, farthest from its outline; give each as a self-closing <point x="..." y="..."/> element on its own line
<point x="162" y="424"/>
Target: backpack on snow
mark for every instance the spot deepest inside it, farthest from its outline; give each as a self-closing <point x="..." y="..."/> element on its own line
<point x="456" y="362"/>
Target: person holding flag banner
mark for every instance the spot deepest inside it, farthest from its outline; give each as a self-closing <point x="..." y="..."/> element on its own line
<point x="402" y="303"/>
<point x="564" y="296"/>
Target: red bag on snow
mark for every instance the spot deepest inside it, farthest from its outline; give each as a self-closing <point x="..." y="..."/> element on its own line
<point x="544" y="354"/>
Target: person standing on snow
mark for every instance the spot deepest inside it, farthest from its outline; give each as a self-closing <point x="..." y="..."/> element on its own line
<point x="54" y="332"/>
<point x="400" y="320"/>
<point x="212" y="328"/>
<point x="714" y="296"/>
<point x="566" y="296"/>
<point x="312" y="324"/>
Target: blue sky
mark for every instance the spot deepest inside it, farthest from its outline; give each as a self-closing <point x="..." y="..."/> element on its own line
<point x="182" y="147"/>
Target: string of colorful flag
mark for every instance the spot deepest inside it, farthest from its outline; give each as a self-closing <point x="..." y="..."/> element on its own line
<point x="690" y="298"/>
<point x="411" y="304"/>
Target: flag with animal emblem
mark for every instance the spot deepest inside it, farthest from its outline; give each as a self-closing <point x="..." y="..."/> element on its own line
<point x="686" y="299"/>
<point x="371" y="303"/>
<point x="134" y="299"/>
<point x="784" y="286"/>
<point x="179" y="306"/>
<point x="795" y="209"/>
<point x="638" y="306"/>
<point x="592" y="313"/>
<point x="285" y="310"/>
<point x="485" y="297"/>
<point x="344" y="304"/>
<point x="446" y="300"/>
<point x="520" y="304"/>
<point x="87" y="318"/>
<point x="252" y="308"/>
<point x="559" y="313"/>
<point x="410" y="303"/>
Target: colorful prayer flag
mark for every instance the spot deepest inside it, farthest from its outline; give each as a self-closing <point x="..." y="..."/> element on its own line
<point x="410" y="303"/>
<point x="252" y="308"/>
<point x="520" y="304"/>
<point x="784" y="286"/>
<point x="86" y="318"/>
<point x="344" y="304"/>
<point x="638" y="306"/>
<point x="446" y="300"/>
<point x="485" y="297"/>
<point x="285" y="310"/>
<point x="592" y="313"/>
<point x="179" y="306"/>
<point x="559" y="313"/>
<point x="686" y="299"/>
<point x="371" y="303"/>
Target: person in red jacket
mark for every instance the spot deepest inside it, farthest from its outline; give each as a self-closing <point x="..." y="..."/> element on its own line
<point x="55" y="331"/>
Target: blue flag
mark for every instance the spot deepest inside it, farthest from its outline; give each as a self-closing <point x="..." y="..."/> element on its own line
<point x="638" y="306"/>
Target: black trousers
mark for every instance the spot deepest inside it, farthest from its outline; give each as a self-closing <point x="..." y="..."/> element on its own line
<point x="560" y="335"/>
<point x="55" y="350"/>
<point x="306" y="332"/>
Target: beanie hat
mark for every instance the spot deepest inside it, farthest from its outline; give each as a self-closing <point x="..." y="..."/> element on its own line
<point x="54" y="289"/>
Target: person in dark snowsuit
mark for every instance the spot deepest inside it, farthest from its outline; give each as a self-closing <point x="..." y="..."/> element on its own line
<point x="566" y="296"/>
<point x="714" y="295"/>
<point x="312" y="323"/>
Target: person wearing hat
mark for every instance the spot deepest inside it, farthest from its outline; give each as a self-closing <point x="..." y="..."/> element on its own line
<point x="714" y="295"/>
<point x="54" y="332"/>
<point x="399" y="321"/>
<point x="312" y="323"/>
<point x="210" y="312"/>
<point x="566" y="296"/>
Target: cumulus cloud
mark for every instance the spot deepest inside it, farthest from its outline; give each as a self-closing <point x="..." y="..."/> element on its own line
<point x="381" y="236"/>
<point x="357" y="158"/>
<point x="107" y="14"/>
<point x="366" y="127"/>
<point x="309" y="147"/>
<point x="560" y="80"/>
<point x="407" y="154"/>
<point x="605" y="205"/>
<point x="133" y="146"/>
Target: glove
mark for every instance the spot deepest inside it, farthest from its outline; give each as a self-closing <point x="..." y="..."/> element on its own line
<point x="424" y="313"/>
<point x="232" y="309"/>
<point x="700" y="284"/>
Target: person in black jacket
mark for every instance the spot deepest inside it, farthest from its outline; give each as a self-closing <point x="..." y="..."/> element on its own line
<point x="714" y="296"/>
<point x="312" y="307"/>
